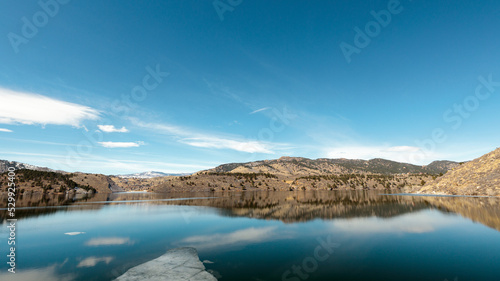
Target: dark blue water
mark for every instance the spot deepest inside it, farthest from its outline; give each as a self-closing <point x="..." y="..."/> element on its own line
<point x="263" y="236"/>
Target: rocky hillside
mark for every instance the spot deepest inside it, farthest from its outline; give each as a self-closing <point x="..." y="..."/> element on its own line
<point x="4" y="166"/>
<point x="285" y="173"/>
<point x="212" y="181"/>
<point x="295" y="166"/>
<point x="28" y="181"/>
<point x="480" y="176"/>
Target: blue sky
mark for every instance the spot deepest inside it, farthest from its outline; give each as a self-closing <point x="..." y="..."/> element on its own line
<point x="179" y="86"/>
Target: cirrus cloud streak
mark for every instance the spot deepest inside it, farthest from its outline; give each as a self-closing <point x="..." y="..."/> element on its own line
<point x="112" y="129"/>
<point x="395" y="153"/>
<point x="29" y="109"/>
<point x="197" y="139"/>
<point x="111" y="144"/>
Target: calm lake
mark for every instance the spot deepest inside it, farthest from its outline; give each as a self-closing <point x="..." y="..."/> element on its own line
<point x="296" y="235"/>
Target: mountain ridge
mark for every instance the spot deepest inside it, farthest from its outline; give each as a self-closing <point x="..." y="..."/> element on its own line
<point x="5" y="164"/>
<point x="285" y="173"/>
<point x="287" y="165"/>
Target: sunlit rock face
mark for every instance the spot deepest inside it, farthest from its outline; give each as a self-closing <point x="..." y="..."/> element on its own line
<point x="176" y="264"/>
<point x="480" y="176"/>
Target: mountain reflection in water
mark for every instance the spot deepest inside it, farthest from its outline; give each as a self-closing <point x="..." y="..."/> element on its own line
<point x="250" y="236"/>
<point x="286" y="206"/>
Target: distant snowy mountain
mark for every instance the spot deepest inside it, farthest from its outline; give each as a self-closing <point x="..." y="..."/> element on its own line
<point x="150" y="174"/>
<point x="5" y="164"/>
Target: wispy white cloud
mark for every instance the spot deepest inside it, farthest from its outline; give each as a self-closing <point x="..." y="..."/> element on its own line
<point x="402" y="149"/>
<point x="406" y="154"/>
<point x="197" y="139"/>
<point x="92" y="163"/>
<point x="111" y="144"/>
<point x="108" y="241"/>
<point x="112" y="129"/>
<point x="243" y="236"/>
<point x="45" y="142"/>
<point x="163" y="128"/>
<point x="259" y="110"/>
<point x="125" y="165"/>
<point x="5" y="130"/>
<point x="234" y="122"/>
<point x="221" y="90"/>
<point x="92" y="261"/>
<point x="74" y="233"/>
<point x="29" y="109"/>
<point x="220" y="143"/>
<point x="41" y="155"/>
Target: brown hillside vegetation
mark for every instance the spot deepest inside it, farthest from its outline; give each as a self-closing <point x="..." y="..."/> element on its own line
<point x="285" y="173"/>
<point x="232" y="181"/>
<point x="299" y="166"/>
<point x="55" y="182"/>
<point x="480" y="176"/>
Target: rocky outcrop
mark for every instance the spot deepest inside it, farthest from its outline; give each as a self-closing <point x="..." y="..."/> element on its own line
<point x="100" y="182"/>
<point x="176" y="264"/>
<point x="113" y="186"/>
<point x="480" y="176"/>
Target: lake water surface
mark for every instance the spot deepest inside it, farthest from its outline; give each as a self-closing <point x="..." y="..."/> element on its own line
<point x="306" y="235"/>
